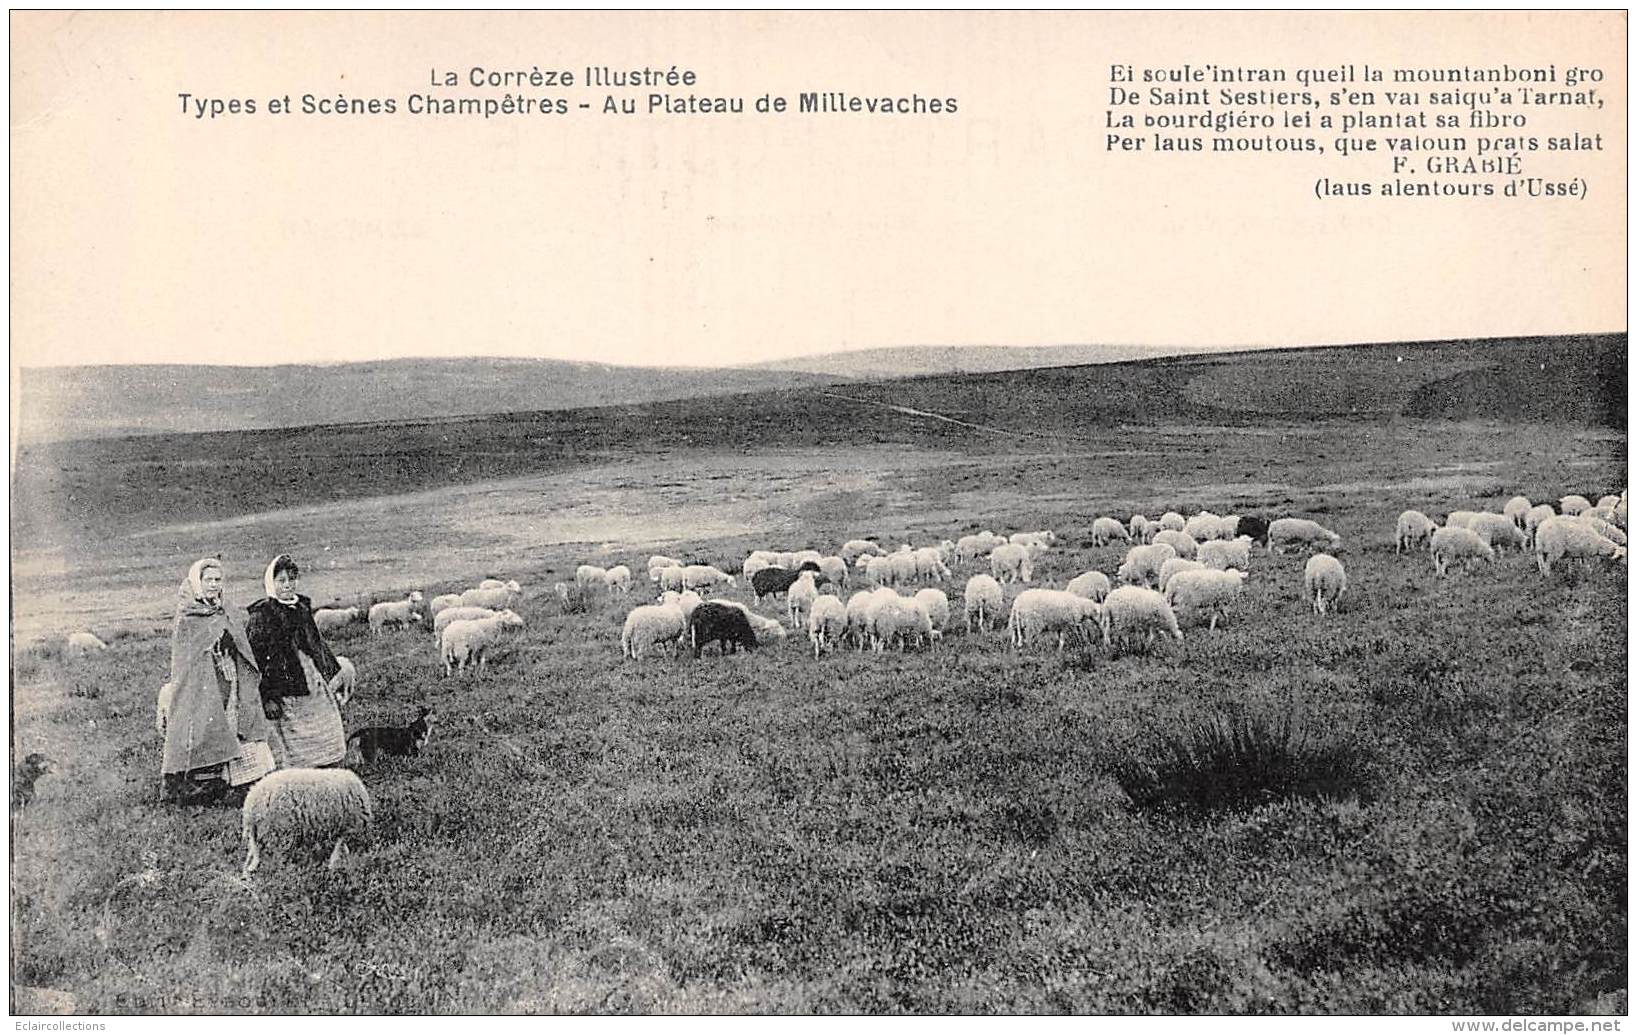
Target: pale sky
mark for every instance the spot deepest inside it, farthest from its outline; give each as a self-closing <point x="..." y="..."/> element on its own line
<point x="140" y="234"/>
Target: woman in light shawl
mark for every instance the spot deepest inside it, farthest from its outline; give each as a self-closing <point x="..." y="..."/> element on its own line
<point x="298" y="673"/>
<point x="215" y="733"/>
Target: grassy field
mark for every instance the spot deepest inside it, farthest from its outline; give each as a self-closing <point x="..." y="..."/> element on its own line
<point x="1442" y="830"/>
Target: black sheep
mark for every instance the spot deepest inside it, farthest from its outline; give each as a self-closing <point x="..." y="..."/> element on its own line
<point x="771" y="582"/>
<point x="729" y="626"/>
<point x="1255" y="526"/>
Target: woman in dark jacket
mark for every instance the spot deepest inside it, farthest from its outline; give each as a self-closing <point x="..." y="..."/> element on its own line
<point x="298" y="673"/>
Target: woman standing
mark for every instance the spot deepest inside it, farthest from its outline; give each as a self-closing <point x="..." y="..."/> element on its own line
<point x="298" y="673"/>
<point x="211" y="742"/>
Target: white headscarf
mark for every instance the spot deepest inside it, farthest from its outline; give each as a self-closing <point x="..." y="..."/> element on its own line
<point x="196" y="575"/>
<point x="267" y="579"/>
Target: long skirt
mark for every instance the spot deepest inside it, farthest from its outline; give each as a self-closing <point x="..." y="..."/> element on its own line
<point x="310" y="734"/>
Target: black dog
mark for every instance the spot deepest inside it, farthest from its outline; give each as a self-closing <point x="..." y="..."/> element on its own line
<point x="22" y="781"/>
<point x="373" y="741"/>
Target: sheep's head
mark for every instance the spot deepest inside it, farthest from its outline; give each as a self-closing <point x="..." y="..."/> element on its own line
<point x="415" y="596"/>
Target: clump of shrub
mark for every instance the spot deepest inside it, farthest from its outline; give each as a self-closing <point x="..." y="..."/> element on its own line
<point x="1239" y="762"/>
<point x="574" y="601"/>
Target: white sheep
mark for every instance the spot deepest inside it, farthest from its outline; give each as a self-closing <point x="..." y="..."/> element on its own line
<point x="1173" y="521"/>
<point x="81" y="643"/>
<point x="1142" y="563"/>
<point x="1569" y="506"/>
<point x="853" y="549"/>
<point x="1566" y="538"/>
<point x="1458" y="544"/>
<point x="395" y="612"/>
<point x="1202" y="526"/>
<point x="470" y="639"/>
<point x="1414" y="529"/>
<point x="1300" y="532"/>
<point x="495" y="599"/>
<point x="799" y="598"/>
<point x="444" y="600"/>
<point x="1174" y="566"/>
<point x="329" y="619"/>
<point x="1603" y="528"/>
<point x="936" y="605"/>
<point x="929" y="564"/>
<point x="1499" y="532"/>
<point x="1132" y="611"/>
<point x="564" y="593"/>
<point x="450" y="615"/>
<point x="899" y="619"/>
<point x="291" y="808"/>
<point x="905" y="567"/>
<point x="1105" y="530"/>
<point x="658" y="562"/>
<point x="1040" y="541"/>
<point x="1203" y="591"/>
<point x="704" y="576"/>
<point x="858" y="625"/>
<point x="1139" y="527"/>
<point x="1011" y="563"/>
<point x="983" y="600"/>
<point x="508" y="584"/>
<point x="687" y="600"/>
<point x="971" y="547"/>
<point x="826" y="622"/>
<point x="1620" y="511"/>
<point x="589" y="578"/>
<point x="1325" y="580"/>
<point x="1093" y="585"/>
<point x="1460" y="518"/>
<point x="618" y="579"/>
<point x="650" y="625"/>
<point x="671" y="579"/>
<point x="835" y="570"/>
<point x="1607" y="501"/>
<point x="1539" y="513"/>
<point x="1223" y="554"/>
<point x="1038" y="612"/>
<point x="1183" y="543"/>
<point x="1516" y="509"/>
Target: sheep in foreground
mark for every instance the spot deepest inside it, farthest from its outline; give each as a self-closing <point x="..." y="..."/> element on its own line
<point x="1132" y="612"/>
<point x="1324" y="581"/>
<point x="494" y="599"/>
<point x="1620" y="511"/>
<point x="650" y="625"/>
<point x="1174" y="567"/>
<point x="618" y="579"/>
<point x="1223" y="554"/>
<point x="508" y="584"/>
<point x="1106" y="529"/>
<point x="1572" y="505"/>
<point x="1142" y="564"/>
<point x="1093" y="585"/>
<point x="1011" y="563"/>
<point x="936" y="605"/>
<point x="983" y="600"/>
<point x="294" y="808"/>
<point x="766" y="630"/>
<point x="858" y="617"/>
<point x="1300" y="532"/>
<point x="1038" y="612"/>
<point x="1458" y="544"/>
<point x="1516" y="509"/>
<point x="704" y="576"/>
<point x="1414" y="529"/>
<point x="82" y="643"/>
<point x="826" y="623"/>
<point x="329" y="619"/>
<point x="728" y="626"/>
<point x="1564" y="538"/>
<point x="1183" y="543"/>
<point x="1607" y="501"/>
<point x="1202" y="591"/>
<point x="1499" y="532"/>
<point x="395" y="612"/>
<point x="469" y="639"/>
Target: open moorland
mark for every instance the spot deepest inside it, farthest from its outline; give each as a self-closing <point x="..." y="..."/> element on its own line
<point x="1413" y="804"/>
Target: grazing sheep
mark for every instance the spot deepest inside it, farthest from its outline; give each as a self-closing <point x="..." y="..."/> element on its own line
<point x="329" y="619"/>
<point x="1458" y="544"/>
<point x="658" y="562"/>
<point x="1223" y="554"/>
<point x="564" y="593"/>
<point x="1011" y="563"/>
<point x="1133" y="611"/>
<point x="1539" y="513"/>
<point x="1202" y="591"/>
<point x="1173" y="521"/>
<point x="1142" y="563"/>
<point x="470" y="639"/>
<point x="773" y="582"/>
<point x="826" y="623"/>
<point x="704" y="576"/>
<point x="649" y="625"/>
<point x="1414" y="529"/>
<point x="971" y="547"/>
<point x="291" y="808"/>
<point x="687" y="601"/>
<point x="82" y="643"/>
<point x="879" y="570"/>
<point x="495" y="599"/>
<point x="1093" y="585"/>
<point x="904" y="567"/>
<point x="1300" y="532"/>
<point x="445" y="600"/>
<point x="858" y="625"/>
<point x="671" y="579"/>
<point x="587" y="578"/>
<point x="450" y="615"/>
<point x="898" y="619"/>
<point x="396" y="612"/>
<point x="1620" y="511"/>
<point x="983" y="600"/>
<point x="834" y="570"/>
<point x="1565" y="538"/>
<point x="936" y="605"/>
<point x="800" y="597"/>
<point x="346" y="680"/>
<point x="1569" y="506"/>
<point x="1139" y="528"/>
<point x="509" y="584"/>
<point x="1039" y="540"/>
<point x="1460" y="518"/>
<point x="929" y="564"/>
<point x="1255" y="526"/>
<point x="725" y="624"/>
<point x="853" y="549"/>
<point x="1602" y="527"/>
<point x="1173" y="566"/>
<point x="1202" y="526"/>
<point x="802" y="558"/>
<point x="1038" y="612"/>
<point x="1183" y="543"/>
<point x="1516" y="509"/>
<point x="618" y="579"/>
<point x="1106" y="529"/>
<point x="1499" y="532"/>
<point x="1324" y="581"/>
<point x="1607" y="501"/>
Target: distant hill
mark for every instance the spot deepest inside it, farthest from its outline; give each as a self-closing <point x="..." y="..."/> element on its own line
<point x="102" y="401"/>
<point x="921" y="360"/>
